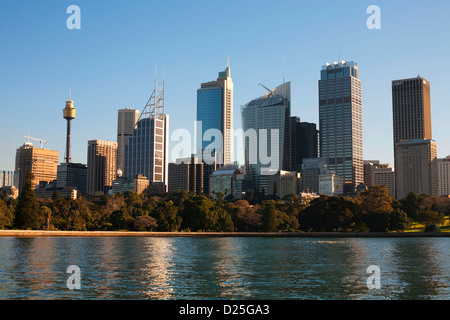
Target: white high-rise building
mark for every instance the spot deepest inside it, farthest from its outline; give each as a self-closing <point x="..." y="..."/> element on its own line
<point x="262" y="120"/>
<point x="146" y="152"/>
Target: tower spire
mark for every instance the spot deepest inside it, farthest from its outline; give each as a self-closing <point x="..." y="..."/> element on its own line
<point x="68" y="114"/>
<point x="155" y="105"/>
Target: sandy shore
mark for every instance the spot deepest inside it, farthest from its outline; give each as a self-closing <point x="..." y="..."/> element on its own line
<point x="44" y="233"/>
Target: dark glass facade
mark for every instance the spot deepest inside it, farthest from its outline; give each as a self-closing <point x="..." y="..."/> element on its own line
<point x="304" y="142"/>
<point x="73" y="175"/>
<point x="215" y="111"/>
<point x="209" y="111"/>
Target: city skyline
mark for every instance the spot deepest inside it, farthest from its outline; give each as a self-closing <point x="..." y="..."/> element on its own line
<point x="106" y="77"/>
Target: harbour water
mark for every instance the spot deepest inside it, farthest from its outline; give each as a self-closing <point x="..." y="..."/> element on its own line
<point x="224" y="268"/>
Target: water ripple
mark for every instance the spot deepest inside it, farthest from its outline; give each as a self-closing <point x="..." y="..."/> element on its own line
<point x="224" y="268"/>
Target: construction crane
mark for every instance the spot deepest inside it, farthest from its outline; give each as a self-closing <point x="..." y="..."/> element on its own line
<point x="270" y="91"/>
<point x="31" y="138"/>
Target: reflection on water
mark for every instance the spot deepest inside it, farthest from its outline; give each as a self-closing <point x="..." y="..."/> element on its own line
<point x="158" y="268"/>
<point x="224" y="268"/>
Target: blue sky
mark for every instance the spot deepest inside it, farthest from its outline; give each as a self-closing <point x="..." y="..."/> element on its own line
<point x="110" y="63"/>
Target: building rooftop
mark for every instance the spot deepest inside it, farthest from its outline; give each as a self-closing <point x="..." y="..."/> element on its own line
<point x="341" y="64"/>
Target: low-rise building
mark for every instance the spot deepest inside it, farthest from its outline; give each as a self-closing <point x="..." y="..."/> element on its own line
<point x="140" y="183"/>
<point x="279" y="184"/>
<point x="330" y="184"/>
<point x="46" y="191"/>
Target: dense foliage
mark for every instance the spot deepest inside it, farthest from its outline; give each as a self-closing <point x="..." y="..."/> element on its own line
<point x="372" y="210"/>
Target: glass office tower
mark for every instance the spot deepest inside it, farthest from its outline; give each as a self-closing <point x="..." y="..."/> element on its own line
<point x="215" y="111"/>
<point x="340" y="120"/>
<point x="269" y="112"/>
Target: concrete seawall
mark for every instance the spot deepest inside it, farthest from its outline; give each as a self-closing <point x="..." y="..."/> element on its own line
<point x="44" y="233"/>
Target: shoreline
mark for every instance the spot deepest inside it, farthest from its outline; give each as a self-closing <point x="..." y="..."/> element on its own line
<point x="45" y="233"/>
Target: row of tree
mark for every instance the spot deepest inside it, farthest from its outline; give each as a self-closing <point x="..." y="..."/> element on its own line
<point x="371" y="210"/>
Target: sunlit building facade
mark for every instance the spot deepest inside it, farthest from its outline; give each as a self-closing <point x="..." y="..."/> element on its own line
<point x="443" y="171"/>
<point x="340" y="119"/>
<point x="42" y="163"/>
<point x="414" y="150"/>
<point x="101" y="166"/>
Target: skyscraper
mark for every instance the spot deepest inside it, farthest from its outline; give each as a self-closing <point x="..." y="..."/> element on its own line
<point x="147" y="150"/>
<point x="266" y="116"/>
<point x="41" y="162"/>
<point x="126" y="123"/>
<point x="414" y="149"/>
<point x="411" y="109"/>
<point x="340" y="122"/>
<point x="304" y="142"/>
<point x="102" y="166"/>
<point x="215" y="111"/>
